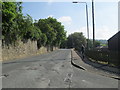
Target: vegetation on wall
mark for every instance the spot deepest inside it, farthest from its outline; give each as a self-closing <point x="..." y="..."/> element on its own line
<point x="47" y="32"/>
<point x="16" y="26"/>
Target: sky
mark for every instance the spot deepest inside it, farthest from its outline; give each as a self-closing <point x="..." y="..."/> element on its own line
<point x="73" y="16"/>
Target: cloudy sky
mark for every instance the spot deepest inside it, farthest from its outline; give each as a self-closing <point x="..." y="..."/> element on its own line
<point x="72" y="16"/>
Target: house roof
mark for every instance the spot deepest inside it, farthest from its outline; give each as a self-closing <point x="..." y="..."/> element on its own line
<point x="118" y="33"/>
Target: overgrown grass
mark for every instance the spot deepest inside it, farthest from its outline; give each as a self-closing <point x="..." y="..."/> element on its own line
<point x="101" y="62"/>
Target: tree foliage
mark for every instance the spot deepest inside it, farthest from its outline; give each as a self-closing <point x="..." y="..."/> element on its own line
<point x="76" y="40"/>
<point x="96" y="44"/>
<point x="15" y="27"/>
<point x="53" y="30"/>
<point x="9" y="15"/>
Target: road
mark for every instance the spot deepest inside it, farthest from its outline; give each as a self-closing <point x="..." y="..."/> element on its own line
<point x="51" y="70"/>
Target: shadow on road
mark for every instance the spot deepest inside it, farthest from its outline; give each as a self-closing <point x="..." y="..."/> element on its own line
<point x="99" y="66"/>
<point x="36" y="60"/>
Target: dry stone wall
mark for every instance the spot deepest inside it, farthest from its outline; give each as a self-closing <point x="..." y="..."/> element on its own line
<point x="0" y="50"/>
<point x="21" y="50"/>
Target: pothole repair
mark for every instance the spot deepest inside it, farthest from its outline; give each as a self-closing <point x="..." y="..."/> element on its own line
<point x="4" y="75"/>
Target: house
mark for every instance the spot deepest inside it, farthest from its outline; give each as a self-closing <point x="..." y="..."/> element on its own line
<point x="114" y="42"/>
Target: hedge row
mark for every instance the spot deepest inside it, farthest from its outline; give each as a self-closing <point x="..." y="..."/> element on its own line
<point x="105" y="56"/>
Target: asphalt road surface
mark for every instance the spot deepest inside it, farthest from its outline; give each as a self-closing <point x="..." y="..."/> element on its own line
<point x="51" y="70"/>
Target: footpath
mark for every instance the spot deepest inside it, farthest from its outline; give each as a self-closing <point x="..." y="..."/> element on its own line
<point x="93" y="67"/>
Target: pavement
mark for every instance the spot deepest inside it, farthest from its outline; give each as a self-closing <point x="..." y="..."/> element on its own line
<point x="51" y="70"/>
<point x="86" y="64"/>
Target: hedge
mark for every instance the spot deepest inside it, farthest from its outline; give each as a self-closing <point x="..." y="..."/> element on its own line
<point x="105" y="56"/>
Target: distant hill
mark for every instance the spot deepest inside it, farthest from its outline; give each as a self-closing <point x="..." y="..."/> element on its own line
<point x="102" y="41"/>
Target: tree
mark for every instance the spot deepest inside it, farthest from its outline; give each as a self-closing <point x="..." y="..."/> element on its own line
<point x="28" y="31"/>
<point x="97" y="43"/>
<point x="53" y="30"/>
<point x="42" y="41"/>
<point x="12" y="21"/>
<point x="9" y="15"/>
<point x="63" y="44"/>
<point x="47" y="30"/>
<point x="76" y="40"/>
<point x="90" y="43"/>
<point x="15" y="27"/>
<point x="58" y="30"/>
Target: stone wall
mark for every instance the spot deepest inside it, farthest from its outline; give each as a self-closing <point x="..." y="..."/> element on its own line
<point x="0" y="50"/>
<point x="21" y="50"/>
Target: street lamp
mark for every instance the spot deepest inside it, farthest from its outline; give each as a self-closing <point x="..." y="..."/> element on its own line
<point x="93" y="24"/>
<point x="87" y="20"/>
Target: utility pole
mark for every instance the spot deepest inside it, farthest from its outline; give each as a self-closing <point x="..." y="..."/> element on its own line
<point x="87" y="26"/>
<point x="93" y="24"/>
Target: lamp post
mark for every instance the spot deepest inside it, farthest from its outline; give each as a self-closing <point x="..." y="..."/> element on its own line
<point x="93" y="24"/>
<point x="86" y="22"/>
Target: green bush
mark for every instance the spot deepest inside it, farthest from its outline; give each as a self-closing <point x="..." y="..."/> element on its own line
<point x="98" y="55"/>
